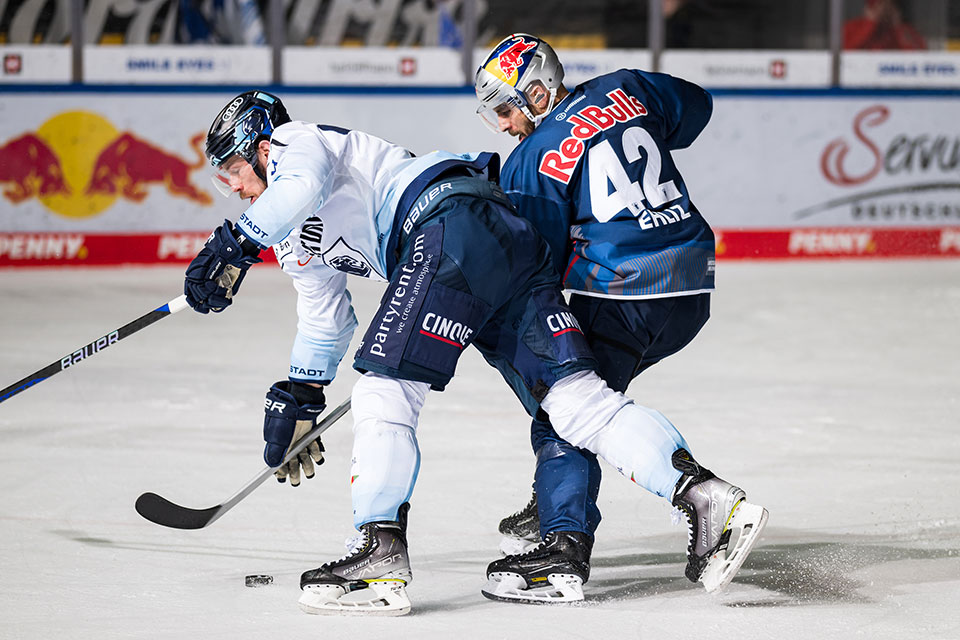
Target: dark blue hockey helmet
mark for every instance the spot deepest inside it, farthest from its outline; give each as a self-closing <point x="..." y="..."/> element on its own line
<point x="240" y="125"/>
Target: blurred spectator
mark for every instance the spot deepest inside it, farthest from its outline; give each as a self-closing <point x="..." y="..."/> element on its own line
<point x="881" y="27"/>
<point x="220" y="22"/>
<point x="717" y="24"/>
<point x="679" y="16"/>
<point x="448" y="32"/>
<point x="623" y="24"/>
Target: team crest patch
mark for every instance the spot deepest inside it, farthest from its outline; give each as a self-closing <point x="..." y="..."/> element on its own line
<point x="341" y="256"/>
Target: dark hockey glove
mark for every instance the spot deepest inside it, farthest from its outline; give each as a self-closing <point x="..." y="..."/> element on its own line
<point x="291" y="410"/>
<point x="214" y="276"/>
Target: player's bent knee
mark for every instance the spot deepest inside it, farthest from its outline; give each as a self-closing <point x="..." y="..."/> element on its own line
<point x="580" y="406"/>
<point x="378" y="398"/>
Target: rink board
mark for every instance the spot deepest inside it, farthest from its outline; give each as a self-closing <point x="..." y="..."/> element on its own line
<point x="80" y="249"/>
<point x="116" y="175"/>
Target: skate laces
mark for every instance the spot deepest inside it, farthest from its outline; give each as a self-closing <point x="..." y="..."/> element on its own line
<point x="353" y="542"/>
<point x="524" y="513"/>
<point x="540" y="546"/>
<point x="677" y="516"/>
<point x="353" y="545"/>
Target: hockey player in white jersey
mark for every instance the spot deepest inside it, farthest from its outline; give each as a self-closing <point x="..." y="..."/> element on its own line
<point x="461" y="269"/>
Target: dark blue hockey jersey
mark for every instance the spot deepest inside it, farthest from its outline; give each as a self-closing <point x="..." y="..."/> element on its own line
<point x="597" y="179"/>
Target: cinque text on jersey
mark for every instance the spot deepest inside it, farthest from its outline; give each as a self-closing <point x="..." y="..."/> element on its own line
<point x="446" y="330"/>
<point x="562" y="322"/>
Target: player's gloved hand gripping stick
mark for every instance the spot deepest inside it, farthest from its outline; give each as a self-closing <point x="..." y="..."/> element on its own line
<point x="214" y="276"/>
<point x="290" y="411"/>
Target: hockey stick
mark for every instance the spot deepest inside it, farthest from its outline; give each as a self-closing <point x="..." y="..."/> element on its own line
<point x="168" y="514"/>
<point x="98" y="345"/>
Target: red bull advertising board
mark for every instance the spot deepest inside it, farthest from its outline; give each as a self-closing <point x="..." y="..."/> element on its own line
<point x="79" y="164"/>
<point x="103" y="182"/>
<point x="119" y="178"/>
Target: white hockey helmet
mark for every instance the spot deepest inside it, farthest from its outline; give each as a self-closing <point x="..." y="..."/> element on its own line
<point x="517" y="62"/>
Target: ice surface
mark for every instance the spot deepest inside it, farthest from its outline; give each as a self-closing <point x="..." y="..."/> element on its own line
<point x="830" y="391"/>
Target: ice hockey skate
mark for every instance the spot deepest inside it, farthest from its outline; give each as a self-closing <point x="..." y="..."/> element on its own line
<point x="553" y="572"/>
<point x="715" y="510"/>
<point x="521" y="531"/>
<point x="370" y="580"/>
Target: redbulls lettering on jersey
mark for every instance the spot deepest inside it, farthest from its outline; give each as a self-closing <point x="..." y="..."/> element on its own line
<point x="587" y="123"/>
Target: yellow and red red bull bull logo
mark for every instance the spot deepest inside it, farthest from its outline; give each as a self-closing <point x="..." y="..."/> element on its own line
<point x="77" y="164"/>
<point x="510" y="59"/>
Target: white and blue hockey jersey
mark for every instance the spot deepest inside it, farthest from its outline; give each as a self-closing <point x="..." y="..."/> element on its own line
<point x="329" y="208"/>
<point x="597" y="180"/>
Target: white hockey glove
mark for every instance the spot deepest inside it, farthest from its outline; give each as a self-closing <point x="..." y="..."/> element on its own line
<point x="290" y="412"/>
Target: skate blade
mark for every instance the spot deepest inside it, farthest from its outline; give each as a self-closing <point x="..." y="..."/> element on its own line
<point x="747" y="521"/>
<point x="512" y="546"/>
<point x="380" y="598"/>
<point x="510" y="587"/>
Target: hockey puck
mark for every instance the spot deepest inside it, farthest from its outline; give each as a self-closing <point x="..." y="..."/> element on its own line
<point x="258" y="580"/>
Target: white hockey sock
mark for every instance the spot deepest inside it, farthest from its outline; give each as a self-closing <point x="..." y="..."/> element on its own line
<point x="636" y="440"/>
<point x="386" y="457"/>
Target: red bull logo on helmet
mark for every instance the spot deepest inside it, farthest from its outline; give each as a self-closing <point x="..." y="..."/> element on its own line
<point x="510" y="59"/>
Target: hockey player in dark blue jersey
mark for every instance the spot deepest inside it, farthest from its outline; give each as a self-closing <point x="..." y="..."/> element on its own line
<point x="593" y="172"/>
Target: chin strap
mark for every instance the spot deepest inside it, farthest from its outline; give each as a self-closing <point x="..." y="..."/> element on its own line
<point x="536" y="120"/>
<point x="255" y="161"/>
<point x="260" y="172"/>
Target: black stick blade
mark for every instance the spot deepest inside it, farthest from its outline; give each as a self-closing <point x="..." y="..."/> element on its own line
<point x="161" y="511"/>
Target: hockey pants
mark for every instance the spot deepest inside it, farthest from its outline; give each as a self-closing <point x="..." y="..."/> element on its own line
<point x="626" y="337"/>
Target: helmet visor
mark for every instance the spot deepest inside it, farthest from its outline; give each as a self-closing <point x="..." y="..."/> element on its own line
<point x="500" y="102"/>
<point x="227" y="173"/>
<point x="222" y="184"/>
